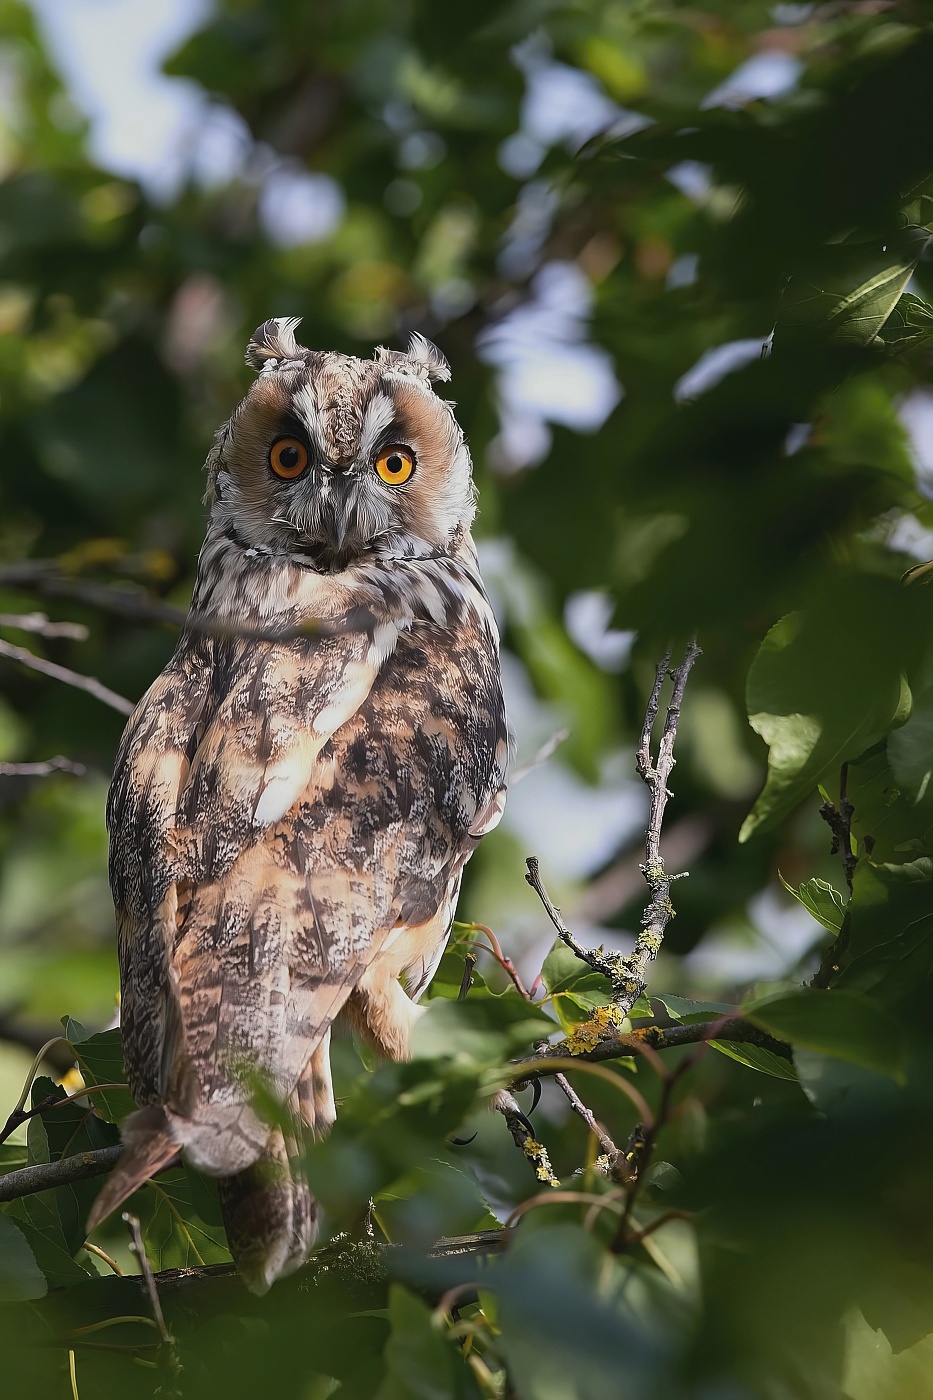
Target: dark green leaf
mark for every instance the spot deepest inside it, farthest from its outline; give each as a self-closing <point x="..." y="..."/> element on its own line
<point x="840" y="1023"/>
<point x="421" y="1363"/>
<point x="20" y="1275"/>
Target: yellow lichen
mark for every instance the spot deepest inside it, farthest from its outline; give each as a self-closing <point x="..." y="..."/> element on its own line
<point x="536" y="1153"/>
<point x="604" y="1021"/>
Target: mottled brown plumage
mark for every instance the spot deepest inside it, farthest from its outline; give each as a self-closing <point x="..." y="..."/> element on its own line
<point x="297" y="794"/>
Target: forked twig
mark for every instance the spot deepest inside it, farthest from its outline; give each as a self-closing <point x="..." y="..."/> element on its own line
<point x="628" y="975"/>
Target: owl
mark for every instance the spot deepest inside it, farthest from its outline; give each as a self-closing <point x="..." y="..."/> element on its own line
<point x="297" y="794"/>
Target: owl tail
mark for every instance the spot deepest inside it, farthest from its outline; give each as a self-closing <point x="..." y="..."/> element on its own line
<point x="148" y="1147"/>
<point x="269" y="1214"/>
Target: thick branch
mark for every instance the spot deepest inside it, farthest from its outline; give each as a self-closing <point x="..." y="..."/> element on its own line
<point x="47" y="1175"/>
<point x="614" y="1045"/>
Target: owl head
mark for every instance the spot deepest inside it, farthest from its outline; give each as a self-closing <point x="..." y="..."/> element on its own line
<point x="335" y="459"/>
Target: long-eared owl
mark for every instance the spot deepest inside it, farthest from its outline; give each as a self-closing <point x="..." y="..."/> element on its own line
<point x="296" y="795"/>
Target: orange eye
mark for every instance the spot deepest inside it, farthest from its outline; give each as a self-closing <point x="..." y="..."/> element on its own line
<point x="288" y="458"/>
<point x="395" y="464"/>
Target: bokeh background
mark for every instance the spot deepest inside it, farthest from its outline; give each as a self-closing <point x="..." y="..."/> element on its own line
<point x="594" y="208"/>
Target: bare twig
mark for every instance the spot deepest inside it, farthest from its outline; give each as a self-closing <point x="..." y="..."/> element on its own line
<point x="609" y="1160"/>
<point x="61" y="673"/>
<point x="628" y="975"/>
<point x="659" y="911"/>
<point x="48" y="579"/>
<point x="39" y="624"/>
<point x="58" y="764"/>
<point x="572" y="1097"/>
<point x="169" y="1347"/>
<point x="523" y="1136"/>
<point x="839" y="821"/>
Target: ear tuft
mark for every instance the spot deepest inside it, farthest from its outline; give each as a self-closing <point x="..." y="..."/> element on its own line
<point x="425" y="354"/>
<point x="274" y="340"/>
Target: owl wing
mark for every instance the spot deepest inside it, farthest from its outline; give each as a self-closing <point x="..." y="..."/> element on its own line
<point x="151" y="769"/>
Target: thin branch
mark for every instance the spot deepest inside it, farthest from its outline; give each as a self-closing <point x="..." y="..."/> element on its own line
<point x="45" y="577"/>
<point x="611" y="1155"/>
<point x="58" y="764"/>
<point x="839" y="821"/>
<point x="524" y="1138"/>
<point x="48" y="1175"/>
<point x="660" y="910"/>
<point x="45" y="1176"/>
<point x="628" y="975"/>
<point x="539" y="1161"/>
<point x="61" y="673"/>
<point x="169" y="1346"/>
<point x="39" y="624"/>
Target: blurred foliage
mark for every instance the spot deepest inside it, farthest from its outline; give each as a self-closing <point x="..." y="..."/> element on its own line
<point x="773" y="504"/>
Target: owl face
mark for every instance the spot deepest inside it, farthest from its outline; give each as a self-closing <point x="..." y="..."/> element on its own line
<point x="335" y="459"/>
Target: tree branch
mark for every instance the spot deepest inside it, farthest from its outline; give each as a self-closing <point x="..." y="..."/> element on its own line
<point x="39" y="625"/>
<point x="45" y="577"/>
<point x="61" y="673"/>
<point x="58" y="764"/>
<point x="615" y="1045"/>
<point x="628" y="974"/>
<point x="45" y="1176"/>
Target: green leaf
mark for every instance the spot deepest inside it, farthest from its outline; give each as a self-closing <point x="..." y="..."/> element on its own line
<point x="176" y="1234"/>
<point x="100" y="1059"/>
<point x="481" y="1031"/>
<point x="38" y="1219"/>
<point x="13" y="1155"/>
<point x="820" y="899"/>
<point x="686" y="1011"/>
<point x="889" y="952"/>
<point x="811" y="699"/>
<point x="74" y="1030"/>
<point x="850" y="296"/>
<point x="20" y="1275"/>
<point x="421" y="1362"/>
<point x="840" y="1023"/>
<point x="910" y="323"/>
<point x="755" y="1057"/>
<point x="62" y="1131"/>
